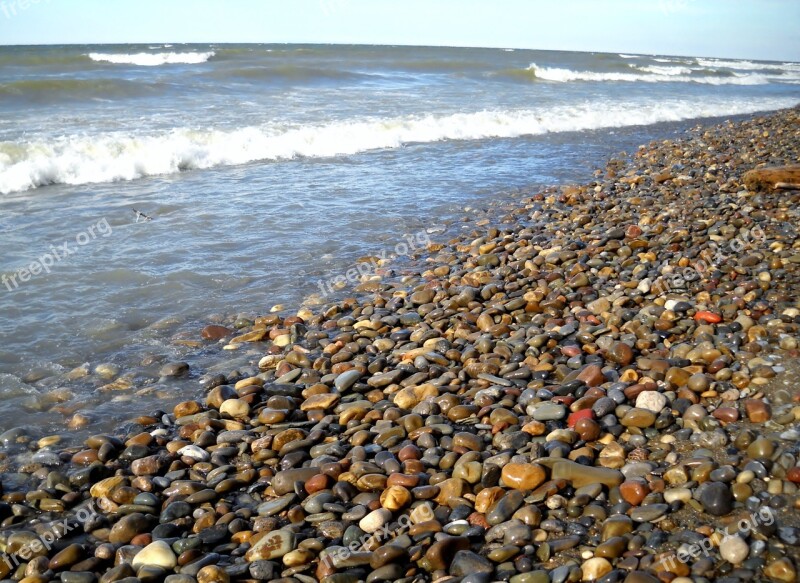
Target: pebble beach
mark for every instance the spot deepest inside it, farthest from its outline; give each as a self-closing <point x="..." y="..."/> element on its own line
<point x="595" y="382"/>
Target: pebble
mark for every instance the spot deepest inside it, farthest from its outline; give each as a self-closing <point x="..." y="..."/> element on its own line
<point x="156" y="554"/>
<point x="652" y="401"/>
<point x="523" y="476"/>
<point x="733" y="549"/>
<point x="715" y="497"/>
<point x="375" y="520"/>
<point x="595" y="568"/>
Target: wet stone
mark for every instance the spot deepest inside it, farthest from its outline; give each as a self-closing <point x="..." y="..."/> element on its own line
<point x="715" y="497"/>
<point x="466" y="562"/>
<point x="271" y="546"/>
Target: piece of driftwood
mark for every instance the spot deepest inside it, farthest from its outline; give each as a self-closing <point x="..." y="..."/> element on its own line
<point x="775" y="178"/>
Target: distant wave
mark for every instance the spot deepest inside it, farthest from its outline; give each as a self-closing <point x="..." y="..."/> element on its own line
<point x="748" y="65"/>
<point x="659" y="70"/>
<point x="567" y="75"/>
<point x="83" y="159"/>
<point x="624" y="56"/>
<point x="152" y="59"/>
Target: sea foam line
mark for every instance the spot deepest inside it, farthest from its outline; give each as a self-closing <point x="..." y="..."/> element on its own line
<point x="151" y="59"/>
<point x="84" y="159"/>
<point x="566" y="75"/>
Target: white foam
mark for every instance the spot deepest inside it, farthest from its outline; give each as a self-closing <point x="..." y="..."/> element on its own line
<point x="567" y="75"/>
<point x="670" y="71"/>
<point x="748" y="65"/>
<point x="82" y="159"/>
<point x="152" y="59"/>
<point x="628" y="56"/>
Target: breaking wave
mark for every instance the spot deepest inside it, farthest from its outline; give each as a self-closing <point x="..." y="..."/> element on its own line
<point x="83" y="159"/>
<point x="152" y="59"/>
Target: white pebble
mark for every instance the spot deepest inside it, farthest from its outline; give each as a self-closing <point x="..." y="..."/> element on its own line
<point x="651" y="400"/>
<point x="733" y="549"/>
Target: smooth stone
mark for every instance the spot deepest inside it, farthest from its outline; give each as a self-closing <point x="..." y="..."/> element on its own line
<point x="733" y="549"/>
<point x="214" y="332"/>
<point x="761" y="449"/>
<point x="262" y="570"/>
<point x="128" y="527"/>
<point x="592" y="375"/>
<point x="283" y="481"/>
<point x="781" y="570"/>
<point x="550" y="412"/>
<point x="273" y="545"/>
<point x="156" y="554"/>
<point x="523" y="476"/>
<point x="213" y="574"/>
<point x="375" y="520"/>
<point x="504" y="508"/>
<point x="652" y="401"/>
<point x="715" y="497"/>
<point x="66" y="557"/>
<point x="346" y="380"/>
<point x="194" y="452"/>
<point x="620" y="353"/>
<point x="386" y="554"/>
<point x="641" y="418"/>
<point x="757" y="410"/>
<point x="649" y="513"/>
<point x="466" y="562"/>
<point x="595" y="568"/>
<point x="633" y="491"/>
<point x="275" y="506"/>
<point x="174" y="369"/>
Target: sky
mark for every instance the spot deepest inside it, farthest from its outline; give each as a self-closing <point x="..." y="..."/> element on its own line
<point x="748" y="29"/>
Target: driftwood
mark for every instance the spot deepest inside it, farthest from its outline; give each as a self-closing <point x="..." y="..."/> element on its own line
<point x="775" y="178"/>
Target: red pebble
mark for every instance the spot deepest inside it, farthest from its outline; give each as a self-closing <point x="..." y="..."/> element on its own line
<point x="143" y="539"/>
<point x="578" y="415"/>
<point x="794" y="475"/>
<point x="708" y="317"/>
<point x="633" y="231"/>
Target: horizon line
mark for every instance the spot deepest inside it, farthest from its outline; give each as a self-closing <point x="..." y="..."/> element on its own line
<point x="398" y="45"/>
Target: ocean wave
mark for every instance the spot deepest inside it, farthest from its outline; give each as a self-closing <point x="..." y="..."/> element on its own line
<point x="684" y="61"/>
<point x="624" y="56"/>
<point x="659" y="70"/>
<point x="567" y="75"/>
<point x="749" y="65"/>
<point x="83" y="159"/>
<point x="151" y="59"/>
